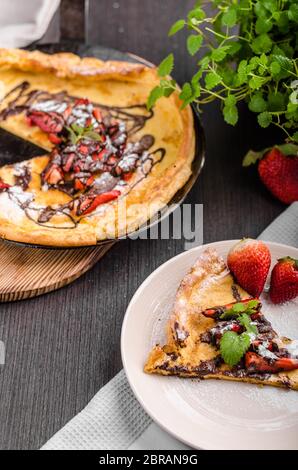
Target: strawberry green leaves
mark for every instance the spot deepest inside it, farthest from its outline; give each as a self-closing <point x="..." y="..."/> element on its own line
<point x="289" y="149"/>
<point x="248" y="52"/>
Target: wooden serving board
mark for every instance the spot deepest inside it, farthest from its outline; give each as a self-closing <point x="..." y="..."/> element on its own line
<point x="27" y="272"/>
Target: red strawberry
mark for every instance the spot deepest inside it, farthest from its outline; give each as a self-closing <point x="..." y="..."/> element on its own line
<point x="284" y="280"/>
<point x="279" y="174"/>
<point x="249" y="261"/>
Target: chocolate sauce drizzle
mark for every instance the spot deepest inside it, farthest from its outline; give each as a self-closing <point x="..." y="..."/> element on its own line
<point x="134" y="117"/>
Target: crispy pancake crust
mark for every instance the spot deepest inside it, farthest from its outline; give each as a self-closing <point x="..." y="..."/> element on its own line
<point x="107" y="83"/>
<point x="207" y="284"/>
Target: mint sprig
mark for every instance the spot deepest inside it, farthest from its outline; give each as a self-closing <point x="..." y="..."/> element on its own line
<point x="237" y="309"/>
<point x="234" y="346"/>
<point x="77" y="133"/>
<point x="264" y="51"/>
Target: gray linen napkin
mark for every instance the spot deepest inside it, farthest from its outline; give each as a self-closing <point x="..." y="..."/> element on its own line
<point x="114" y="419"/>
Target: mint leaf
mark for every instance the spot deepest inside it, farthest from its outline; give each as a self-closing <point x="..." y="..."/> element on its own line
<point x="92" y="135"/>
<point x="197" y="14"/>
<point x="264" y="119"/>
<point x="230" y="110"/>
<point x="242" y="71"/>
<point x="261" y="43"/>
<point x="257" y="104"/>
<point x="220" y="53"/>
<point x="233" y="347"/>
<point x="276" y="101"/>
<point x="186" y="92"/>
<point x="256" y="82"/>
<point x="212" y="79"/>
<point x="229" y="18"/>
<point x="194" y="43"/>
<point x="155" y="94"/>
<point x="275" y="68"/>
<point x="166" y="66"/>
<point x="234" y="47"/>
<point x="263" y="25"/>
<point x="204" y="62"/>
<point x="238" y="308"/>
<point x="293" y="12"/>
<point x="245" y="321"/>
<point x="176" y="27"/>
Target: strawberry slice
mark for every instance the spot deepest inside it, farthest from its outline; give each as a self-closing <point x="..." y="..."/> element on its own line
<point x="215" y="312"/>
<point x="79" y="186"/>
<point x="68" y="163"/>
<point x="55" y="139"/>
<point x="51" y="123"/>
<point x="97" y="114"/>
<point x="127" y="176"/>
<point x="257" y="363"/>
<point x="100" y="155"/>
<point x="90" y="181"/>
<point x="3" y="186"/>
<point x="90" y="204"/>
<point x="54" y="174"/>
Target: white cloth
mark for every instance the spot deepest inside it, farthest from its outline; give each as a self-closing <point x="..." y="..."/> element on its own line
<point x="114" y="419"/>
<point x="24" y="21"/>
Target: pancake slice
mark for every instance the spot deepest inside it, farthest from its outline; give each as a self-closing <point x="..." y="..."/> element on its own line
<point x="195" y="329"/>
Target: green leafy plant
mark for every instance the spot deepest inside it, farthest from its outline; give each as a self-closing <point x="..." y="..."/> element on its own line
<point x="250" y="53"/>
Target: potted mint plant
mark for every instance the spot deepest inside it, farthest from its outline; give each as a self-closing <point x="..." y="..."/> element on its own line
<point x="249" y="54"/>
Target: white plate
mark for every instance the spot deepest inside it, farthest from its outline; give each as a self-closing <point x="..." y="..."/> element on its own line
<point x="207" y="414"/>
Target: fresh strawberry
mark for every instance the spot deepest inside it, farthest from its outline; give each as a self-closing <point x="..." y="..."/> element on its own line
<point x="284" y="280"/>
<point x="279" y="173"/>
<point x="249" y="261"/>
<point x="278" y="170"/>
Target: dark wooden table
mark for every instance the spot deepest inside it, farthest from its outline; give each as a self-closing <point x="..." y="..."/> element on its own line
<point x="61" y="348"/>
